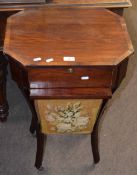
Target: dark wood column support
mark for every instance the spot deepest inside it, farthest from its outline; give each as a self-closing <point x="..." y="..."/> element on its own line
<point x="3" y="99"/>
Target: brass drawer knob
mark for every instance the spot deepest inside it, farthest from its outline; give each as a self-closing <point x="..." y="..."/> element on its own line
<point x="70" y="70"/>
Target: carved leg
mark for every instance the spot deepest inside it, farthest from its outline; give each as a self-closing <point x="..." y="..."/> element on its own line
<point x="3" y="99"/>
<point x="94" y="135"/>
<point x="40" y="148"/>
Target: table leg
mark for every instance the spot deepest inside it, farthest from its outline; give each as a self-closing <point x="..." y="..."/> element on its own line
<point x="3" y="99"/>
<point x="34" y="119"/>
<point x="41" y="140"/>
<point x="19" y="75"/>
<point x="94" y="135"/>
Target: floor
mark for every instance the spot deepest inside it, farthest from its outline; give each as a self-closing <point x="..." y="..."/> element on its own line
<point x="71" y="155"/>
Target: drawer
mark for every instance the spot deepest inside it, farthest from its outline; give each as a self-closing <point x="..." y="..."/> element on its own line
<point x="71" y="93"/>
<point x="70" y="77"/>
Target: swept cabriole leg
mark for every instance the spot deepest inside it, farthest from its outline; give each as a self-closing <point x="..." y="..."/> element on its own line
<point x="41" y="139"/>
<point x="34" y="119"/>
<point x="94" y="135"/>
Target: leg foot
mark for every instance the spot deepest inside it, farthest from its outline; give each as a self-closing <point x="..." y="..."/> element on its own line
<point x="94" y="135"/>
<point x="95" y="150"/>
<point x="40" y="148"/>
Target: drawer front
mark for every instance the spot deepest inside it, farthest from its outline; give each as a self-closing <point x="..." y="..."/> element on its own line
<point x="68" y="77"/>
<point x="71" y="93"/>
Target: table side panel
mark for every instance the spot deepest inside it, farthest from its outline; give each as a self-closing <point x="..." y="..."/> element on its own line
<point x="19" y="74"/>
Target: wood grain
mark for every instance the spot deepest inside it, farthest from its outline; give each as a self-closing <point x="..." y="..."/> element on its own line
<point x="94" y="3"/>
<point x="60" y="77"/>
<point x="71" y="93"/>
<point x="55" y="32"/>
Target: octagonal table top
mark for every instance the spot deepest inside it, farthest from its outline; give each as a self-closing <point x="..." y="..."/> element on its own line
<point x="67" y="36"/>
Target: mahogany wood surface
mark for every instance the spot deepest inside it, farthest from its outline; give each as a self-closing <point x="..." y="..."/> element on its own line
<point x="15" y="5"/>
<point x="8" y="7"/>
<point x="57" y="32"/>
<point x="60" y="77"/>
<point x="40" y="32"/>
<point x="71" y="93"/>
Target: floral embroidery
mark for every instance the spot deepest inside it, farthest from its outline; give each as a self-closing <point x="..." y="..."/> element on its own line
<point x="69" y="118"/>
